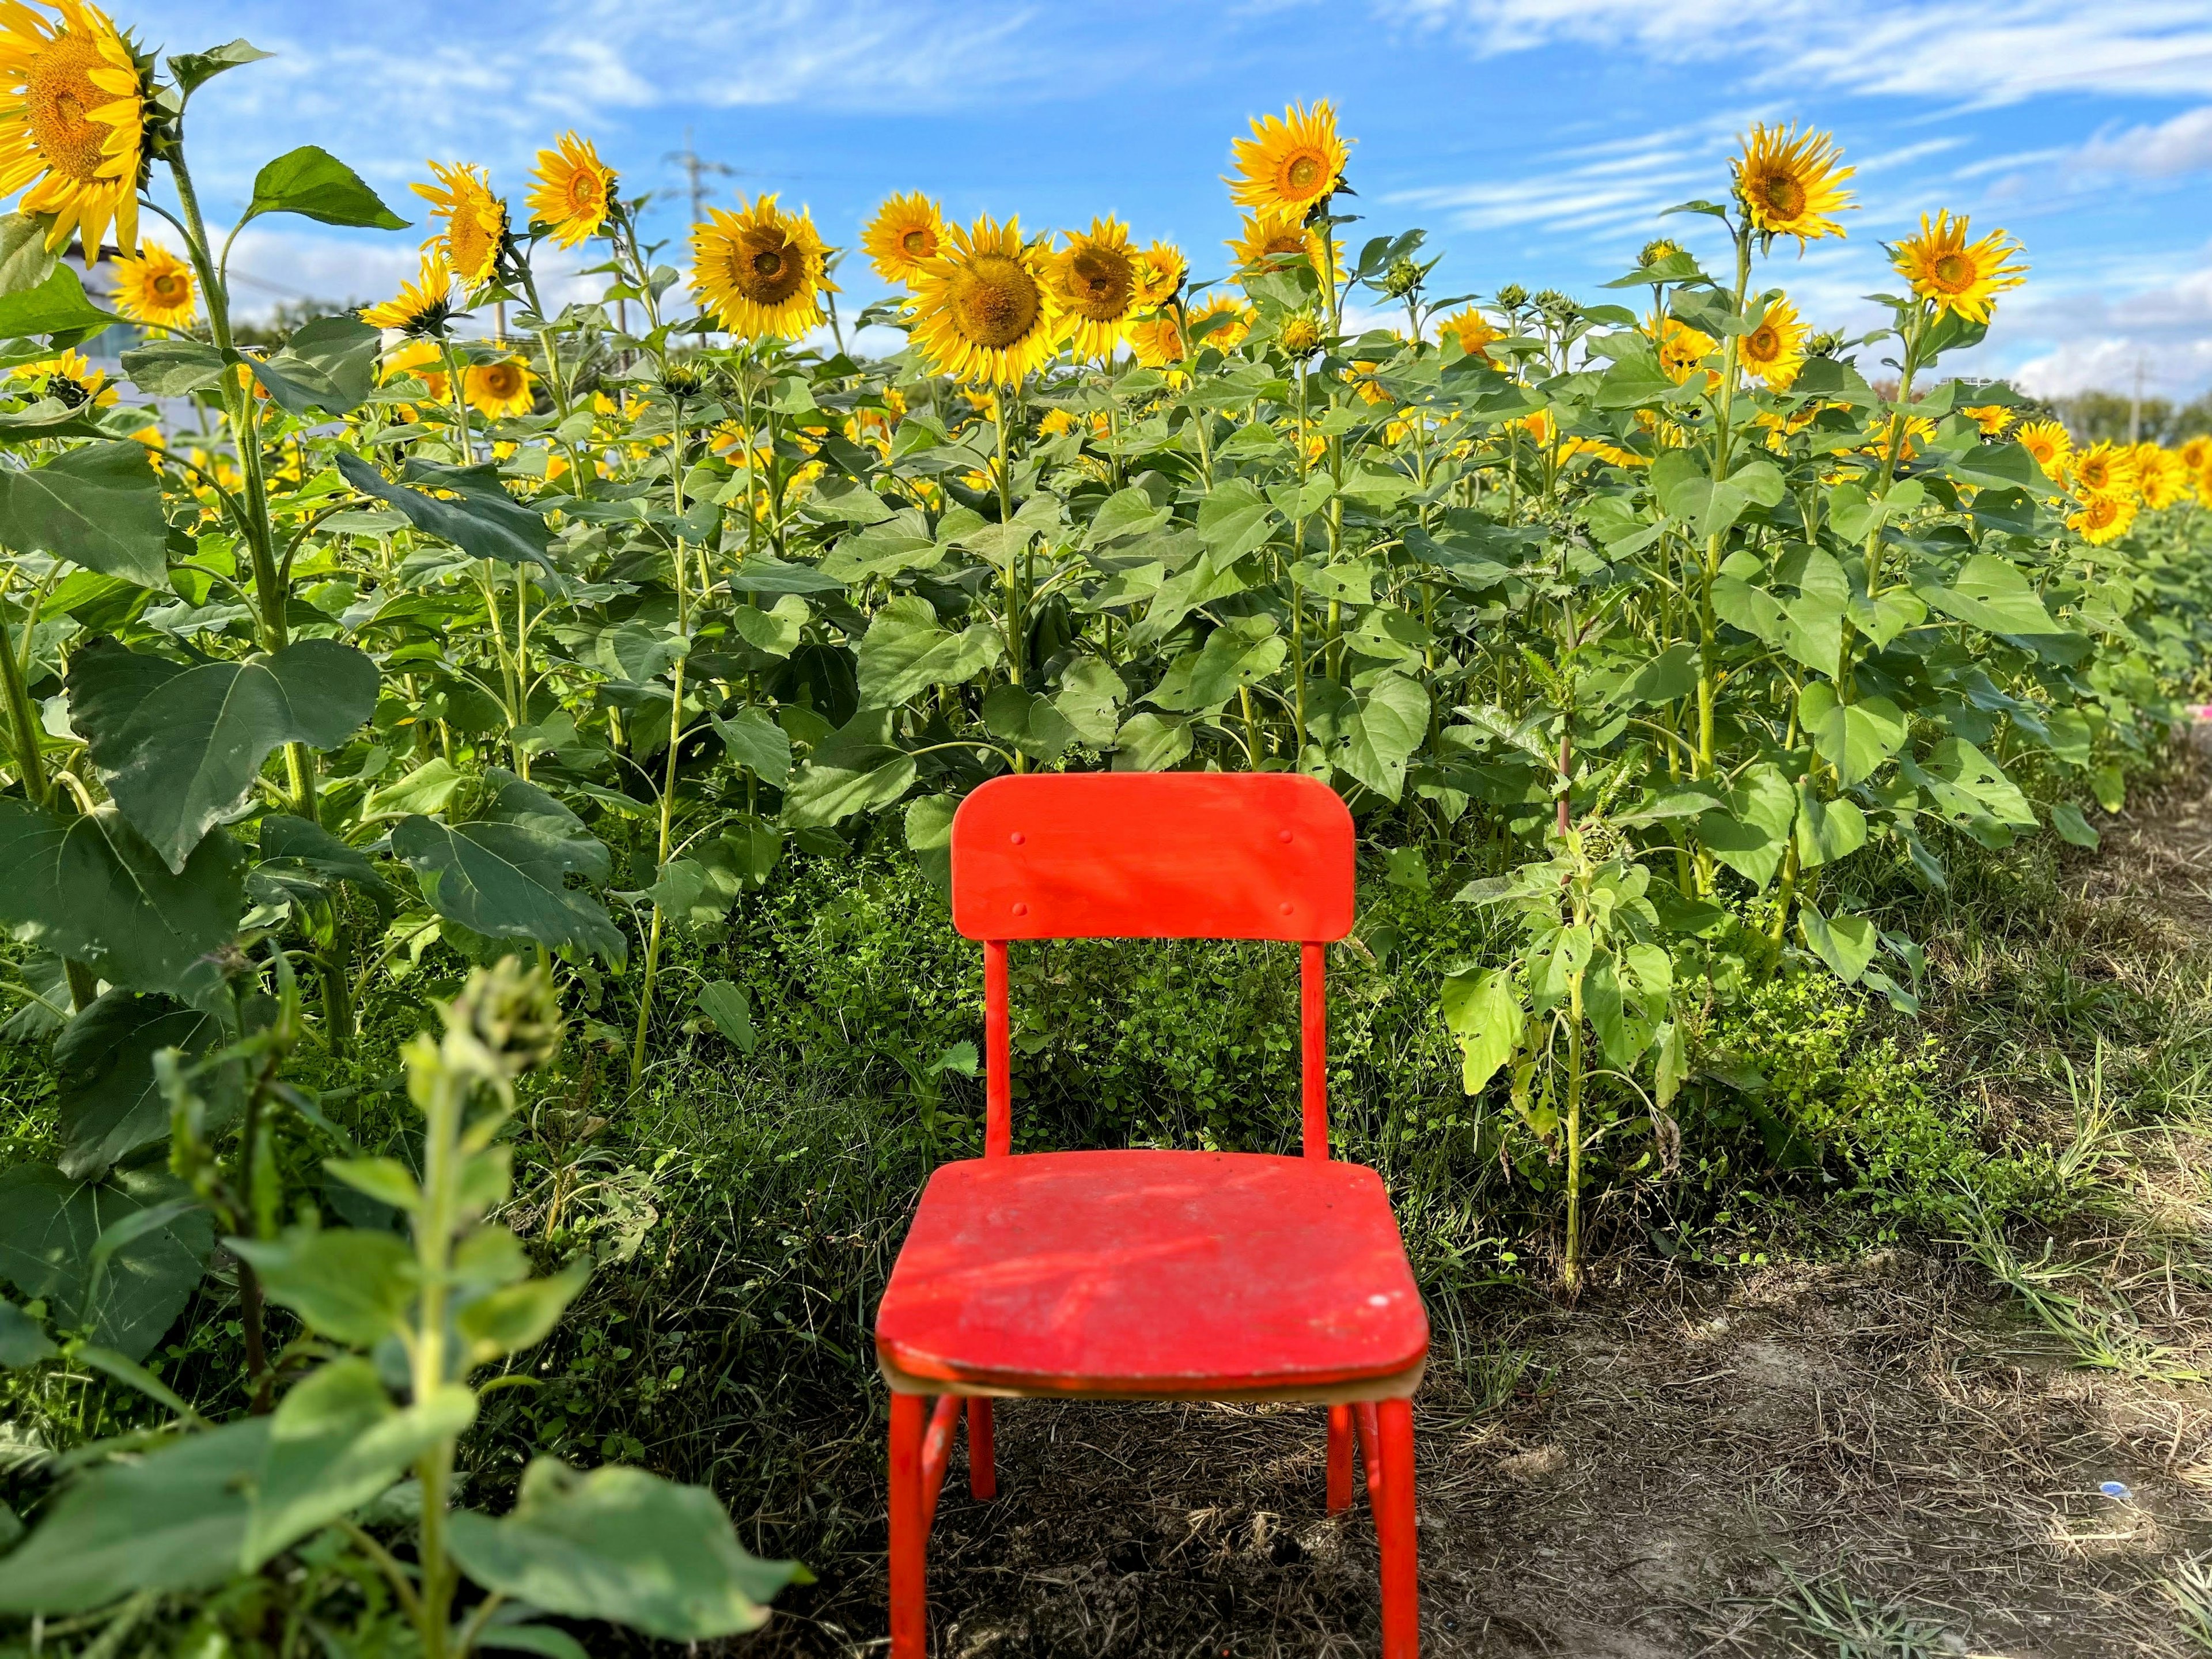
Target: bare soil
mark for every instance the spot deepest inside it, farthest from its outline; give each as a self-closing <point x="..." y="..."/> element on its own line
<point x="1796" y="1460"/>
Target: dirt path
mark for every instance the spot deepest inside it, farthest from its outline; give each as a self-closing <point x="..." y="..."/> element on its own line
<point x="1881" y="1458"/>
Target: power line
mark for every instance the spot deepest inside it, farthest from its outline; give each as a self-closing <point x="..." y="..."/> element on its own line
<point x="696" y="167"/>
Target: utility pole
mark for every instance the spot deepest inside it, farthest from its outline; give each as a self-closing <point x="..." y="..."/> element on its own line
<point x="696" y="170"/>
<point x="2135" y="403"/>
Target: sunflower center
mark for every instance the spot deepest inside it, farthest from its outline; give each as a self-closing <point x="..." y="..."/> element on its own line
<point x="1784" y="195"/>
<point x="69" y="392"/>
<point x="1303" y="175"/>
<point x="1101" y="283"/>
<point x="1762" y="343"/>
<point x="767" y="271"/>
<point x="57" y="95"/>
<point x="584" y="193"/>
<point x="1953" y="272"/>
<point x="503" y="380"/>
<point x="997" y="302"/>
<point x="918" y="243"/>
<point x="170" y="287"/>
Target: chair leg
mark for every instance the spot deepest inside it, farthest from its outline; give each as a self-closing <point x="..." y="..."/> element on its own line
<point x="909" y="1531"/>
<point x="1393" y="1498"/>
<point x="982" y="1465"/>
<point x="1340" y="1459"/>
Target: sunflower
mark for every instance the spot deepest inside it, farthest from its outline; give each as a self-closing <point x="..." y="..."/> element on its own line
<point x="1096" y="282"/>
<point x="69" y="379"/>
<point x="906" y="233"/>
<point x="1473" y="331"/>
<point x="421" y="359"/>
<point x="2159" y="476"/>
<point x="1959" y="275"/>
<point x="1300" y="333"/>
<point x="423" y="307"/>
<point x="2050" y="444"/>
<point x="574" y="190"/>
<point x="499" y="389"/>
<point x="1224" y="336"/>
<point x="1157" y="341"/>
<point x="2196" y="454"/>
<point x="73" y="117"/>
<point x="986" y="311"/>
<point x="1775" y="350"/>
<point x="1289" y="164"/>
<point x="760" y="269"/>
<point x="2103" y="519"/>
<point x="154" y="288"/>
<point x="1161" y="270"/>
<point x="1682" y="348"/>
<point x="1360" y="377"/>
<point x="1267" y="238"/>
<point x="475" y="220"/>
<point x="1789" y="183"/>
<point x="1992" y="418"/>
<point x="2106" y="469"/>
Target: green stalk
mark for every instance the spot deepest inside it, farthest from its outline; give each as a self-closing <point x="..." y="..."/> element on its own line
<point x="434" y="1237"/>
<point x="1710" y="570"/>
<point x="668" y="773"/>
<point x="1570" y="1267"/>
<point x="30" y="764"/>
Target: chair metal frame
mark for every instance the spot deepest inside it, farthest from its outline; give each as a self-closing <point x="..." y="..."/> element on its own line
<point x="1162" y="855"/>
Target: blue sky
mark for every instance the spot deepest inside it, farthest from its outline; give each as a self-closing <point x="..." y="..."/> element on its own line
<point x="1536" y="140"/>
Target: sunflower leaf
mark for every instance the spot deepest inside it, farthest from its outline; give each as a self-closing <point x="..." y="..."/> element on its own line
<point x="315" y="184"/>
<point x="55" y="308"/>
<point x="194" y="69"/>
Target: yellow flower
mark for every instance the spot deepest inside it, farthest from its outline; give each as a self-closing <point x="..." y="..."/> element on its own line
<point x="2159" y="476"/>
<point x="1775" y="350"/>
<point x="1959" y="275"/>
<point x="423" y="360"/>
<point x="474" y="220"/>
<point x="69" y="379"/>
<point x="1300" y="334"/>
<point x="985" y="311"/>
<point x="1095" y="281"/>
<point x="2106" y="469"/>
<point x="1360" y="377"/>
<point x="1290" y="163"/>
<point x="1225" y="336"/>
<point x="906" y="233"/>
<point x="761" y="271"/>
<point x="2103" y="519"/>
<point x="499" y="389"/>
<point x="2196" y="454"/>
<point x="574" y="190"/>
<point x="1789" y="183"/>
<point x="1681" y="349"/>
<point x="1473" y="331"/>
<point x="154" y="288"/>
<point x="73" y="120"/>
<point x="423" y="307"/>
<point x="1157" y="341"/>
<point x="2052" y="446"/>
<point x="1161" y="269"/>
<point x="1992" y="418"/>
<point x="1266" y="239"/>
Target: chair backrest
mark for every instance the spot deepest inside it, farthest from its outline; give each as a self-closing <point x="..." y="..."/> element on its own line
<point x="1153" y="855"/>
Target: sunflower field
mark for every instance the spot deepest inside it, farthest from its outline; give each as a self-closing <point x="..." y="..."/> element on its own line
<point x="473" y="651"/>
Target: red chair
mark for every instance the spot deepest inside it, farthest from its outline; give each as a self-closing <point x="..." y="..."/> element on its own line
<point x="1152" y="1275"/>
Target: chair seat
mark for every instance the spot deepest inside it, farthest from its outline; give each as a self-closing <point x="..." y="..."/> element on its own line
<point x="1153" y="1275"/>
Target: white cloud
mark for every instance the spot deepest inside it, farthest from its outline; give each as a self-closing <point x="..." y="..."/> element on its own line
<point x="2079" y="341"/>
<point x="1966" y="51"/>
<point x="2181" y="145"/>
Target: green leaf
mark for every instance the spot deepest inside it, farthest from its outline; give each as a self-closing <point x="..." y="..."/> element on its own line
<point x="173" y="368"/>
<point x="297" y="841"/>
<point x="1482" y="1010"/>
<point x="1826" y="829"/>
<point x="1751" y="834"/>
<point x="1855" y="739"/>
<point x="1235" y="519"/>
<point x="171" y="1521"/>
<point x="315" y="184"/>
<point x="1672" y="1066"/>
<point x="23" y="1341"/>
<point x="329" y="364"/>
<point x="1844" y="943"/>
<point x="26" y="261"/>
<point x="854" y="771"/>
<point x="181" y="750"/>
<point x="1378" y="731"/>
<point x="336" y="1442"/>
<point x="1812" y="629"/>
<point x="1990" y="593"/>
<point x="2072" y="826"/>
<point x="518" y="1316"/>
<point x="99" y="506"/>
<point x="731" y="1011"/>
<point x="481" y="519"/>
<point x="1670" y="675"/>
<point x="110" y="1103"/>
<point x="904" y="652"/>
<point x="929" y="837"/>
<point x="758" y="744"/>
<point x="55" y="308"/>
<point x="621" y="1545"/>
<point x="193" y="69"/>
<point x="387" y="1180"/>
<point x="1091" y="696"/>
<point x="1151" y="742"/>
<point x="776" y="631"/>
<point x="50" y="1226"/>
<point x="505" y="874"/>
<point x="545" y="1640"/>
<point x="90" y="889"/>
<point x="352" y="1284"/>
<point x="1027" y="722"/>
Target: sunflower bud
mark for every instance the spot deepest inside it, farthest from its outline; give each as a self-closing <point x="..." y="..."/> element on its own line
<point x="1403" y="277"/>
<point x="1653" y="251"/>
<point x="511" y="1015"/>
<point x="1512" y="297"/>
<point x="1300" y="333"/>
<point x="1557" y="306"/>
